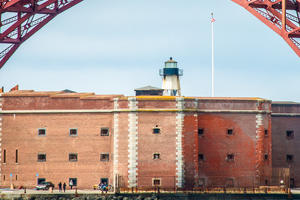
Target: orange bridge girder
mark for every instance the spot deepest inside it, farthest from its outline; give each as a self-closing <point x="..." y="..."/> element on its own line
<point x="20" y="19"/>
<point x="282" y="16"/>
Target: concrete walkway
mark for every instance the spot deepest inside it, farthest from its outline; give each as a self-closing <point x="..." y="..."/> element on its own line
<point x="33" y="191"/>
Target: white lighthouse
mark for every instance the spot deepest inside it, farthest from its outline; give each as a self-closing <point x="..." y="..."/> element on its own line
<point x="171" y="82"/>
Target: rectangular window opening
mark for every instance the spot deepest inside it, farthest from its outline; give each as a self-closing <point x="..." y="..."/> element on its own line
<point x="73" y="181"/>
<point x="289" y="134"/>
<point x="104" y="157"/>
<point x="104" y="132"/>
<point x="266" y="182"/>
<point x="200" y="131"/>
<point x="266" y="132"/>
<point x="230" y="157"/>
<point x="201" y="157"/>
<point x="41" y="132"/>
<point x="292" y="183"/>
<point x="266" y="156"/>
<point x="156" y="156"/>
<point x="4" y="156"/>
<point x="156" y="130"/>
<point x="17" y="155"/>
<point x="289" y="158"/>
<point x="16" y="177"/>
<point x="41" y="157"/>
<point x="73" y="132"/>
<point x="156" y="182"/>
<point x="41" y="180"/>
<point x="73" y="157"/>
<point x="3" y="177"/>
<point x="104" y="181"/>
<point x="229" y="131"/>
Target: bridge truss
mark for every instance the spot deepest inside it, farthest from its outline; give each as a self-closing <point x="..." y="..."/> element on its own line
<point x="283" y="16"/>
<point x="20" y="19"/>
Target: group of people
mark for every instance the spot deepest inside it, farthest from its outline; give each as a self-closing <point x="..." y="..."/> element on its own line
<point x="103" y="187"/>
<point x="62" y="186"/>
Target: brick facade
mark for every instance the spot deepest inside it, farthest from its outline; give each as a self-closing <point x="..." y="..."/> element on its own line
<point x="286" y="139"/>
<point x="172" y="142"/>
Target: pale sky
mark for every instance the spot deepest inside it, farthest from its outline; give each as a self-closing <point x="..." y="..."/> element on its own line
<point x="114" y="46"/>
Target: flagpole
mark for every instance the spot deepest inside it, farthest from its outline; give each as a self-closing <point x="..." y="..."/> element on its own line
<point x="212" y="57"/>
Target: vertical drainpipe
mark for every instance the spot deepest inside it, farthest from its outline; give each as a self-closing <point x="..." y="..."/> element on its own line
<point x="116" y="144"/>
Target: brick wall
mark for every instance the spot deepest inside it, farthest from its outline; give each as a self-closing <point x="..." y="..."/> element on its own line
<point x="286" y="117"/>
<point x="133" y="144"/>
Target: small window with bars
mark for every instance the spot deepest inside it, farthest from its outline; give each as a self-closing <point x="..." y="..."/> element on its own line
<point x="230" y="157"/>
<point x="289" y="134"/>
<point x="104" y="157"/>
<point x="156" y="182"/>
<point x="200" y="131"/>
<point x="73" y="132"/>
<point x="104" y="132"/>
<point x="156" y="156"/>
<point x="41" y="157"/>
<point x="156" y="130"/>
<point x="289" y="158"/>
<point x="73" y="157"/>
<point x="229" y="131"/>
<point x="41" y="132"/>
<point x="201" y="157"/>
<point x="266" y="132"/>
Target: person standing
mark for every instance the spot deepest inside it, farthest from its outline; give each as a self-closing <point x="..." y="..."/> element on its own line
<point x="71" y="184"/>
<point x="64" y="186"/>
<point x="59" y="186"/>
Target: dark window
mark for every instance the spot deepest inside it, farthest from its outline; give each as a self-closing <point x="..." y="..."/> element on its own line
<point x="16" y="177"/>
<point x="156" y="182"/>
<point x="73" y="132"/>
<point x="17" y="155"/>
<point x="201" y="157"/>
<point x="289" y="158"/>
<point x="41" y="180"/>
<point x="41" y="157"/>
<point x="4" y="156"/>
<point x="73" y="181"/>
<point x="156" y="156"/>
<point x="230" y="157"/>
<point x="73" y="157"/>
<point x="266" y="157"/>
<point x="3" y="177"/>
<point x="104" y="180"/>
<point x="104" y="132"/>
<point x="41" y="132"/>
<point x="289" y="134"/>
<point x="292" y="183"/>
<point x="266" y="182"/>
<point x="156" y="130"/>
<point x="229" y="131"/>
<point x="104" y="157"/>
<point x="200" y="131"/>
<point x="266" y="132"/>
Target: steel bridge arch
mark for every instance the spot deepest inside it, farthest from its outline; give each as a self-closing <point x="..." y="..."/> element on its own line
<point x="20" y="19"/>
